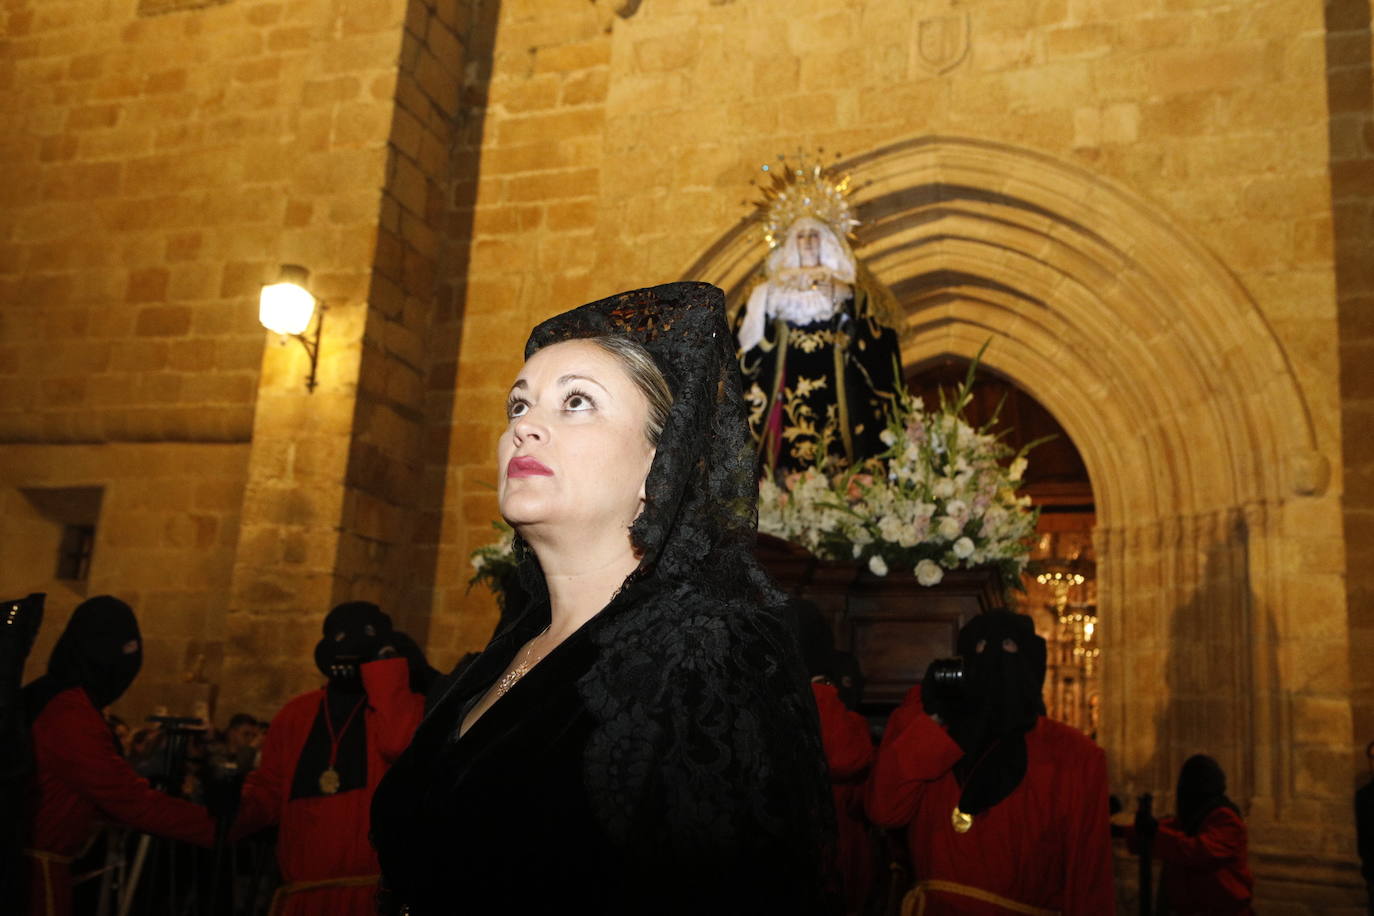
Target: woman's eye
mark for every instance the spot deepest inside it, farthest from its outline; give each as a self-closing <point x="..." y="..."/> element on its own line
<point x="577" y="401"/>
<point x="517" y="409"/>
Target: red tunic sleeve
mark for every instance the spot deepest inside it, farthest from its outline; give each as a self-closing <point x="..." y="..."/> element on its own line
<point x="394" y="711"/>
<point x="915" y="752"/>
<point x="844" y="735"/>
<point x="1088" y="870"/>
<point x="78" y="751"/>
<point x="1222" y="839"/>
<point x="265" y="790"/>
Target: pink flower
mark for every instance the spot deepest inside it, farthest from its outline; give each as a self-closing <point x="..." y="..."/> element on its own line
<point x="856" y="483"/>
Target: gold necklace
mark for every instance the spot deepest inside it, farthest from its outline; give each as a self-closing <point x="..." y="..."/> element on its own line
<point x="329" y="779"/>
<point x="522" y="667"/>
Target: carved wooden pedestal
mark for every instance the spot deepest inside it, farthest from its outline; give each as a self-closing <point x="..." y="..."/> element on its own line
<point x="893" y="625"/>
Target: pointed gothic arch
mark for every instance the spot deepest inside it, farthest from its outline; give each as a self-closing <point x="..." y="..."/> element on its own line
<point x="1175" y="390"/>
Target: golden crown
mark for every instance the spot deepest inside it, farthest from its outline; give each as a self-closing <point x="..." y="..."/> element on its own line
<point x="803" y="189"/>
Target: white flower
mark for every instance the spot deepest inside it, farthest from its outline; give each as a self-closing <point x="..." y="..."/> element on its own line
<point x="928" y="572"/>
<point x="886" y="437"/>
<point x="891" y="528"/>
<point x="963" y="548"/>
<point x="957" y="508"/>
<point x="943" y="489"/>
<point x="1018" y="467"/>
<point x="879" y="566"/>
<point x="949" y="528"/>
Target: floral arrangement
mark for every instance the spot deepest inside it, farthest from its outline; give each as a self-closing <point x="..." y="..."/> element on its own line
<point x="941" y="497"/>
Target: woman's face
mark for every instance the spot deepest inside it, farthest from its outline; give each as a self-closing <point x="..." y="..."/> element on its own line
<point x="574" y="451"/>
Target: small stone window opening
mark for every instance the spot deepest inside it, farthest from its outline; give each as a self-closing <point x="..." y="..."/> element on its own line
<point x="74" y="552"/>
<point x="51" y="524"/>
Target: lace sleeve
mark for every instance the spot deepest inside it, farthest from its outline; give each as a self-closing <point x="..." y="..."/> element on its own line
<point x="709" y="759"/>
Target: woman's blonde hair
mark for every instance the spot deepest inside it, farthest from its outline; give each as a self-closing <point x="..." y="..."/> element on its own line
<point x="647" y="377"/>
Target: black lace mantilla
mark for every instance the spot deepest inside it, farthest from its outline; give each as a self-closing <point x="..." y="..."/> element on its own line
<point x="707" y="746"/>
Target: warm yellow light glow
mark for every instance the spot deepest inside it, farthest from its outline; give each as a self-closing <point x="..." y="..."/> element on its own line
<point x="285" y="308"/>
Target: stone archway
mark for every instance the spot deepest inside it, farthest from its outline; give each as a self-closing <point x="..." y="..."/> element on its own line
<point x="1177" y="393"/>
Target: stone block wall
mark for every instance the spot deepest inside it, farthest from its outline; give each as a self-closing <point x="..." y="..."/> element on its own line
<point x="1350" y="91"/>
<point x="351" y="517"/>
<point x="167" y="530"/>
<point x="523" y="209"/>
<point x="159" y="169"/>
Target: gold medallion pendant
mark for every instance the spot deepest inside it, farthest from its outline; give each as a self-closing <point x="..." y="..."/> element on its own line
<point x="329" y="781"/>
<point x="962" y="822"/>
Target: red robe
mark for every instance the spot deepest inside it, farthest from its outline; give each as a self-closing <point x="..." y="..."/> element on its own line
<point x="79" y="777"/>
<point x="325" y="838"/>
<point x="1045" y="845"/>
<point x="848" y="755"/>
<point x="1208" y="874"/>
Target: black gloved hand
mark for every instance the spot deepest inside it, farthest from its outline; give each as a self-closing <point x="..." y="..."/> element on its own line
<point x="222" y="787"/>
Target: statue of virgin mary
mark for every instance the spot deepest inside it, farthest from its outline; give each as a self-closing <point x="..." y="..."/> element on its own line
<point x="817" y="352"/>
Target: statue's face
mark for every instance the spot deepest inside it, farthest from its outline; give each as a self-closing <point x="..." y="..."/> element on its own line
<point x="809" y="247"/>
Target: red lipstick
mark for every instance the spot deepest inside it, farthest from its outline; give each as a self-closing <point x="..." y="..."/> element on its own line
<point x="526" y="467"/>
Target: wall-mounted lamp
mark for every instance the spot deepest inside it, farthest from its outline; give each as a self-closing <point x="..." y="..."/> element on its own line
<point x="286" y="307"/>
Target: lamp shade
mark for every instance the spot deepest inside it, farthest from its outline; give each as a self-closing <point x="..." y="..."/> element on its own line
<point x="286" y="306"/>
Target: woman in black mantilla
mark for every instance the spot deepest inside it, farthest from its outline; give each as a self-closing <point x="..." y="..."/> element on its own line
<point x="641" y="738"/>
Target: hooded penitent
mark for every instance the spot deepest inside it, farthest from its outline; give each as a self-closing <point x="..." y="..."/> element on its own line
<point x="353" y="634"/>
<point x="698" y="750"/>
<point x="1201" y="790"/>
<point x="1004" y="673"/>
<point x="100" y="651"/>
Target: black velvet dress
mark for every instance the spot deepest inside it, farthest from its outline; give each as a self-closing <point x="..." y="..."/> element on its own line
<point x="500" y="813"/>
<point x="525" y="813"/>
<point x="665" y="758"/>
